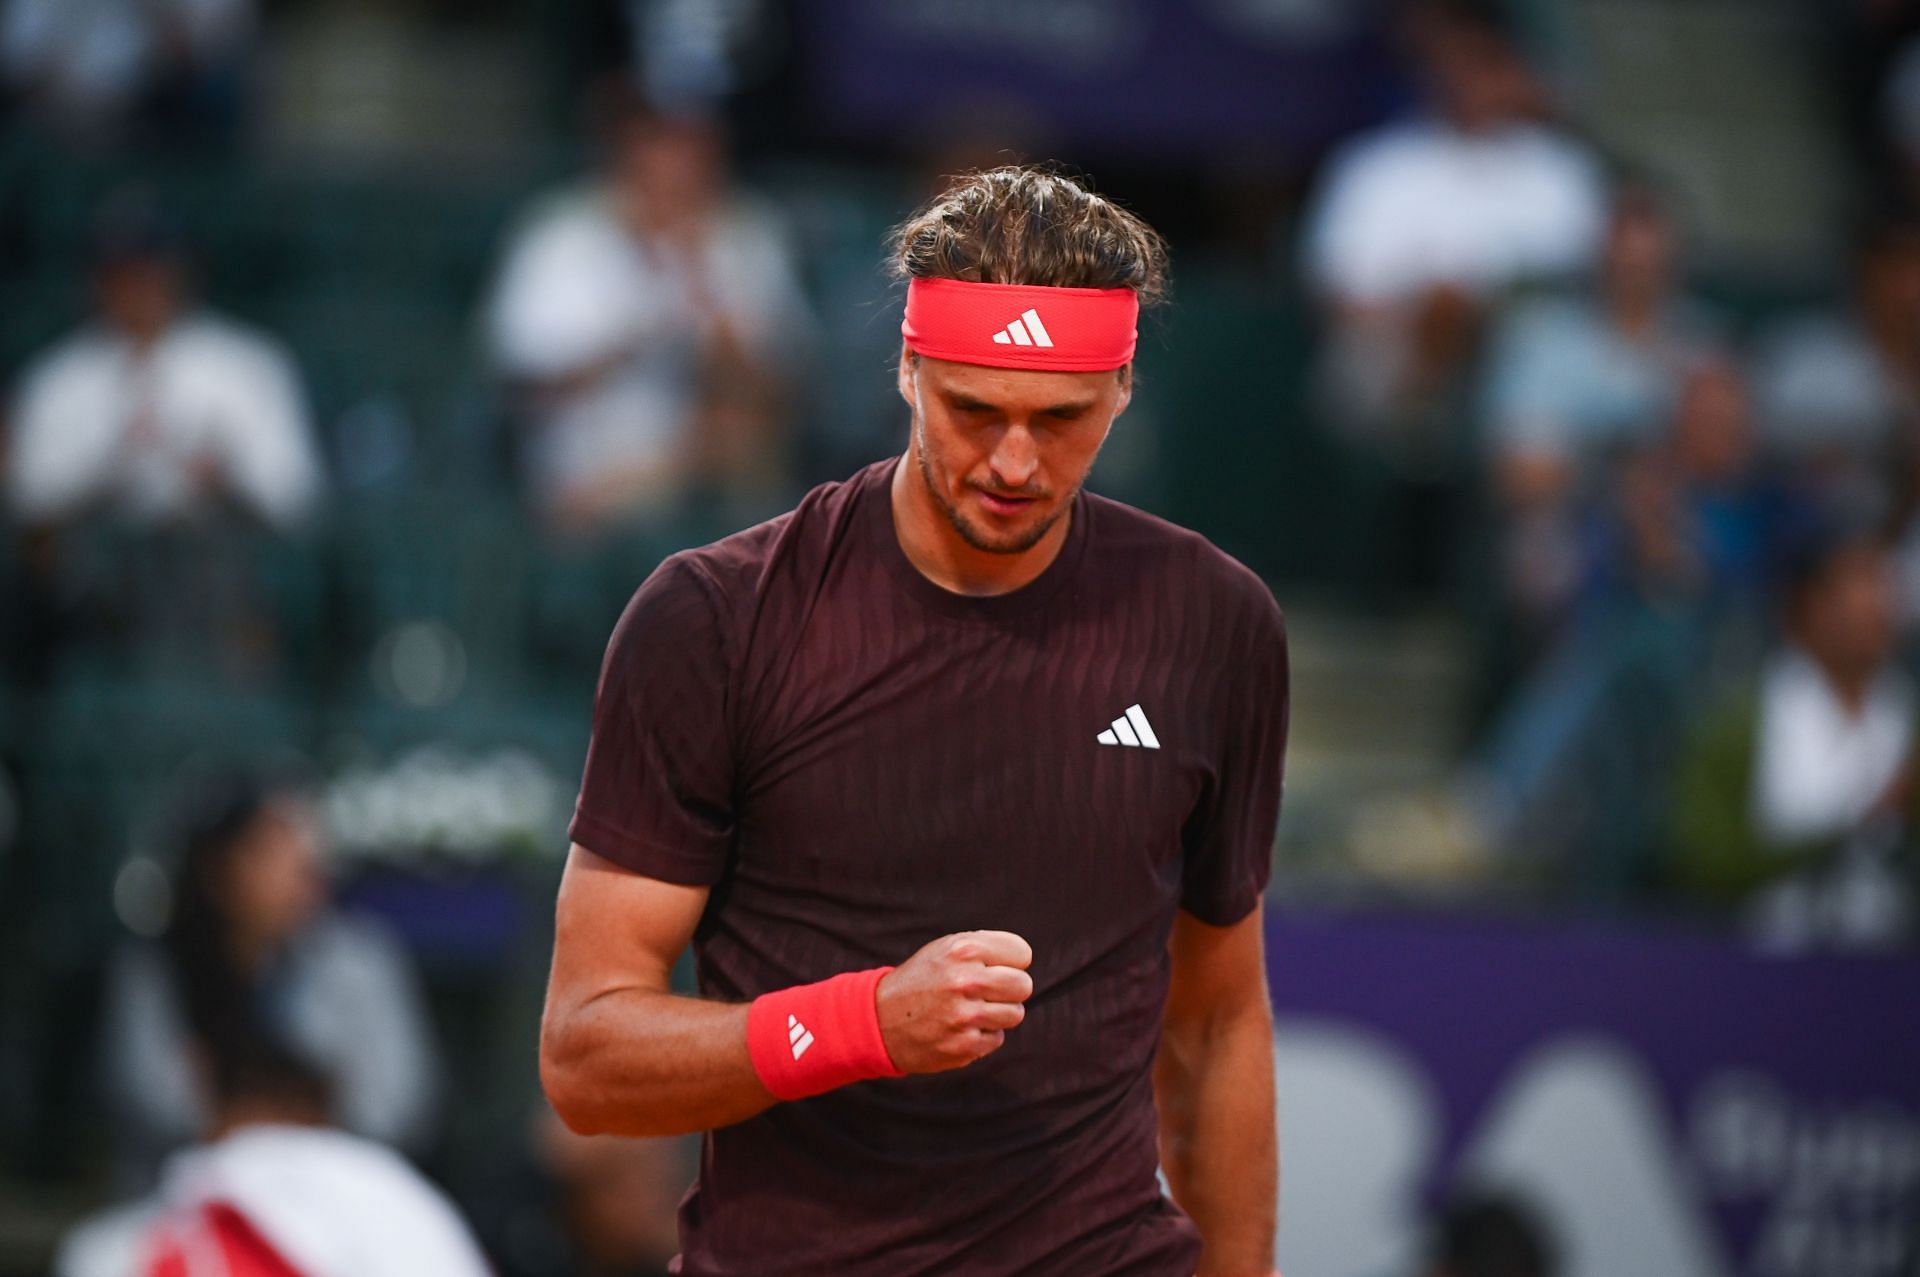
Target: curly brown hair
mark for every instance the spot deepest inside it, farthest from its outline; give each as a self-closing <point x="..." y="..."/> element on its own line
<point x="1027" y="224"/>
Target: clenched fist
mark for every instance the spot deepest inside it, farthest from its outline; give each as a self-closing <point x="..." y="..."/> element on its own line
<point x="954" y="1000"/>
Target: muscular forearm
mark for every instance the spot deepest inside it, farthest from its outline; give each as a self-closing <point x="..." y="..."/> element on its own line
<point x="638" y="1062"/>
<point x="621" y="1055"/>
<point x="1215" y="1089"/>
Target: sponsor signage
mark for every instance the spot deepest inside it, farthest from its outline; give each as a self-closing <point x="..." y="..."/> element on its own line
<point x="1671" y="1104"/>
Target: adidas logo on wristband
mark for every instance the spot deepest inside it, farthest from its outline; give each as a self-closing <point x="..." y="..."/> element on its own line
<point x="845" y="1013"/>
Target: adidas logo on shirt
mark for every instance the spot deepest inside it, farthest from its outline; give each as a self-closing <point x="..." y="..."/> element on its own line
<point x="798" y="1037"/>
<point x="1025" y="331"/>
<point x="1132" y="730"/>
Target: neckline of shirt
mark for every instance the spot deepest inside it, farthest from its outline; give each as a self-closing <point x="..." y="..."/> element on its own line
<point x="876" y="496"/>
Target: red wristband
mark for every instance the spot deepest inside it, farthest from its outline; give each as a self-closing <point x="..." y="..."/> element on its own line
<point x="814" y="1037"/>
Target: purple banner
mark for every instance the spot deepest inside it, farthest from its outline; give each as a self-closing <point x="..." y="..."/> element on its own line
<point x="1671" y="1104"/>
<point x="1174" y="79"/>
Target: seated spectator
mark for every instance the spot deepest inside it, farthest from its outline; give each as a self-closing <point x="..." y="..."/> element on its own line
<point x="252" y="937"/>
<point x="158" y="411"/>
<point x="271" y="1191"/>
<point x="94" y="68"/>
<point x="1693" y="516"/>
<point x="1575" y="378"/>
<point x="1422" y="224"/>
<point x="651" y="321"/>
<point x="1839" y="393"/>
<point x="1676" y="550"/>
<point x="1794" y="803"/>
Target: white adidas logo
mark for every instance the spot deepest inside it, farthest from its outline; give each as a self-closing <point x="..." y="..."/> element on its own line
<point x="1130" y="729"/>
<point x="1024" y="331"/>
<point x="798" y="1037"/>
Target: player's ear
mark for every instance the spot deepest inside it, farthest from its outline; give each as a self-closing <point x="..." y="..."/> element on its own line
<point x="903" y="374"/>
<point x="1126" y="389"/>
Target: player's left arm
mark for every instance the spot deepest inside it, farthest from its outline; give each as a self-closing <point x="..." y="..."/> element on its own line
<point x="1213" y="1081"/>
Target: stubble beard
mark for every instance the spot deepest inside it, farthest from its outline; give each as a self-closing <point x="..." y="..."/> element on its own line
<point x="965" y="528"/>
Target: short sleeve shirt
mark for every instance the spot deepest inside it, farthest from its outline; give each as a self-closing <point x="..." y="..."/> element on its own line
<point x="858" y="762"/>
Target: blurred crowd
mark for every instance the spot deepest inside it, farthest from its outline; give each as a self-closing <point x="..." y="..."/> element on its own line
<point x="1688" y="545"/>
<point x="1693" y="547"/>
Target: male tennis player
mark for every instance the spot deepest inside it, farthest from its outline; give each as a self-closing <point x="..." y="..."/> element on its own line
<point x="958" y="715"/>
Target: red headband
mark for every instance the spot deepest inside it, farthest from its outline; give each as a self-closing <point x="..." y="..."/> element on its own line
<point x="1021" y="325"/>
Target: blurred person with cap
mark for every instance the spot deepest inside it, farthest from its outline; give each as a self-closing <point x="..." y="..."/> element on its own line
<point x="159" y="411"/>
<point x="271" y="1190"/>
<point x="651" y="323"/>
<point x="252" y="948"/>
<point x="1794" y="804"/>
<point x="1420" y="226"/>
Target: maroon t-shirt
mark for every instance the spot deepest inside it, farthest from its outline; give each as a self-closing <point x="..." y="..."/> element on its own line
<point x="858" y="762"/>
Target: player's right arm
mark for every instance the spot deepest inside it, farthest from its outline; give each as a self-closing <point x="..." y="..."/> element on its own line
<point x="621" y="1054"/>
<point x="654" y="830"/>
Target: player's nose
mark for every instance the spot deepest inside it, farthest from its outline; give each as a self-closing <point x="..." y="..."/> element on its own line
<point x="1015" y="458"/>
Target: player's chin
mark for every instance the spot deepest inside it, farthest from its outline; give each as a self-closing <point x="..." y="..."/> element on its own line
<point x="1003" y="536"/>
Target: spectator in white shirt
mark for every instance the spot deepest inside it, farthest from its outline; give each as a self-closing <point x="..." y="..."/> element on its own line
<point x="158" y="412"/>
<point x="272" y="1189"/>
<point x="1797" y="803"/>
<point x="651" y="321"/>
<point x="1420" y="225"/>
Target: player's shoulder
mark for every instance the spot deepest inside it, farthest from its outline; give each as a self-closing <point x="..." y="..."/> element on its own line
<point x="741" y="562"/>
<point x="1159" y="556"/>
<point x="731" y="576"/>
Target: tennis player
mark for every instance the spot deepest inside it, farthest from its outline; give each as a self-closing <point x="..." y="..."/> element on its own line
<point x="962" y="783"/>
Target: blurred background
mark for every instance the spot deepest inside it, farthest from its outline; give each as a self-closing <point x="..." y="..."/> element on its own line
<point x="1557" y="362"/>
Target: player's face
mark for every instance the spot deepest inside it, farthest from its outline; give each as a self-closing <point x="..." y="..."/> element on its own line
<point x="1003" y="450"/>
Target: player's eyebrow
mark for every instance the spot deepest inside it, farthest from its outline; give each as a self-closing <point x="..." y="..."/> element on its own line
<point x="964" y="402"/>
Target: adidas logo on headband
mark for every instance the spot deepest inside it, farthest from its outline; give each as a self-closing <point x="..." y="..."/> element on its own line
<point x="1024" y="331"/>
